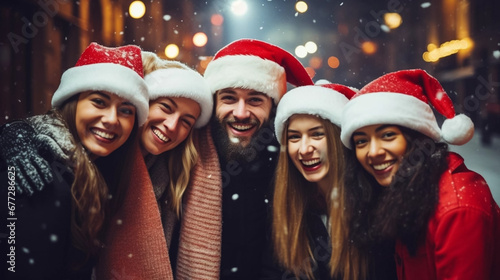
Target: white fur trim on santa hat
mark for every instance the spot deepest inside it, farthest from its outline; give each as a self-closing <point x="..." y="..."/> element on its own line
<point x="388" y="108"/>
<point x="109" y="77"/>
<point x="177" y="82"/>
<point x="310" y="100"/>
<point x="248" y="72"/>
<point x="457" y="130"/>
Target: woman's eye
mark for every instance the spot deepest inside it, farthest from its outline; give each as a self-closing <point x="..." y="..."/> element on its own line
<point x="127" y="111"/>
<point x="388" y="134"/>
<point x="318" y="134"/>
<point x="359" y="142"/>
<point x="98" y="101"/>
<point x="293" y="137"/>
<point x="165" y="107"/>
<point x="187" y="123"/>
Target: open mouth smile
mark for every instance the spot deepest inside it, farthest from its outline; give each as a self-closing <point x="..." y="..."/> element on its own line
<point x="241" y="127"/>
<point x="310" y="164"/>
<point x="160" y="135"/>
<point x="102" y="134"/>
<point x="382" y="166"/>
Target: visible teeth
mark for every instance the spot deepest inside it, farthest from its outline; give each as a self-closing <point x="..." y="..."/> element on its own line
<point x="382" y="166"/>
<point x="160" y="135"/>
<point x="242" y="127"/>
<point x="103" y="134"/>
<point x="310" y="162"/>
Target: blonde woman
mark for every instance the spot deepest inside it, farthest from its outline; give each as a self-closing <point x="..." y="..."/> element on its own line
<point x="179" y="102"/>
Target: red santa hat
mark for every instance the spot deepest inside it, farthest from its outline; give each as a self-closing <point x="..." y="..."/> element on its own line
<point x="325" y="100"/>
<point x="257" y="65"/>
<point x="178" y="80"/>
<point x="115" y="70"/>
<point x="401" y="98"/>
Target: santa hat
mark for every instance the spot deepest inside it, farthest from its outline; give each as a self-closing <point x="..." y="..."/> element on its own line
<point x="401" y="98"/>
<point x="326" y="101"/>
<point x="257" y="65"/>
<point x="115" y="70"/>
<point x="182" y="81"/>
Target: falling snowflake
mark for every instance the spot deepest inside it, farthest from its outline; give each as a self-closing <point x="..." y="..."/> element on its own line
<point x="53" y="238"/>
<point x="425" y="5"/>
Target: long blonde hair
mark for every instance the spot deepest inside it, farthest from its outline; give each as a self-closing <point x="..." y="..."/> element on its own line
<point x="185" y="153"/>
<point x="293" y="195"/>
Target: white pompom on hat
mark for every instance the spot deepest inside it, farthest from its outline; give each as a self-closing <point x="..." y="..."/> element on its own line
<point x="115" y="70"/>
<point x="257" y="65"/>
<point x="325" y="100"/>
<point x="182" y="82"/>
<point x="401" y="98"/>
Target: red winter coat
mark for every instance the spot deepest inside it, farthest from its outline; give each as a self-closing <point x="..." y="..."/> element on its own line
<point x="463" y="235"/>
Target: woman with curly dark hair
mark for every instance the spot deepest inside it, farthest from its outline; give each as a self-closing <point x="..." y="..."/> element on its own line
<point x="407" y="192"/>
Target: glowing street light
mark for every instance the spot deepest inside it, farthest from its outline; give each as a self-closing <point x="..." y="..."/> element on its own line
<point x="239" y="7"/>
<point x="137" y="9"/>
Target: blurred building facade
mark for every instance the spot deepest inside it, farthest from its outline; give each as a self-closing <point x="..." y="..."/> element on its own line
<point x="42" y="38"/>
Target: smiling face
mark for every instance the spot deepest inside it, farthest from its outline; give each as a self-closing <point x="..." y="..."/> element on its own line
<point x="308" y="147"/>
<point x="103" y="121"/>
<point x="170" y="120"/>
<point x="242" y="112"/>
<point x="380" y="150"/>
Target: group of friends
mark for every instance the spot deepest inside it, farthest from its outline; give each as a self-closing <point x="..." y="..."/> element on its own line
<point x="145" y="169"/>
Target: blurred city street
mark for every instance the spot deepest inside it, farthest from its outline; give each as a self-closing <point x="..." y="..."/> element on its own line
<point x="484" y="160"/>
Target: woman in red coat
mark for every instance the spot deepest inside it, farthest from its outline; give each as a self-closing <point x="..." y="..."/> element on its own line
<point x="408" y="188"/>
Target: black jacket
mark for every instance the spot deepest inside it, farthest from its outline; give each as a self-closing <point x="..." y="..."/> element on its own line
<point x="42" y="233"/>
<point x="247" y="185"/>
<point x="320" y="246"/>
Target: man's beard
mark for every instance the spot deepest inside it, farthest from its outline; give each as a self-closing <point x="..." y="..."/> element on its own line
<point x="231" y="148"/>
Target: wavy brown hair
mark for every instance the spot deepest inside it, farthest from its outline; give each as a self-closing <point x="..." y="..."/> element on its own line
<point x="90" y="190"/>
<point x="294" y="195"/>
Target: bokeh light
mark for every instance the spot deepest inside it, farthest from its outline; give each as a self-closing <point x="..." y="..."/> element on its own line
<point x="333" y="62"/>
<point x="137" y="9"/>
<point x="369" y="47"/>
<point x="393" y="20"/>
<point x="239" y="7"/>
<point x="311" y="47"/>
<point x="217" y="19"/>
<point x="301" y="7"/>
<point x="301" y="51"/>
<point x="172" y="51"/>
<point x="200" y="39"/>
<point x="315" y="62"/>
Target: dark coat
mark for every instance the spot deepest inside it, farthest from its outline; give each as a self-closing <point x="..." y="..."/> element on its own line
<point x="246" y="189"/>
<point x="320" y="246"/>
<point x="43" y="245"/>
